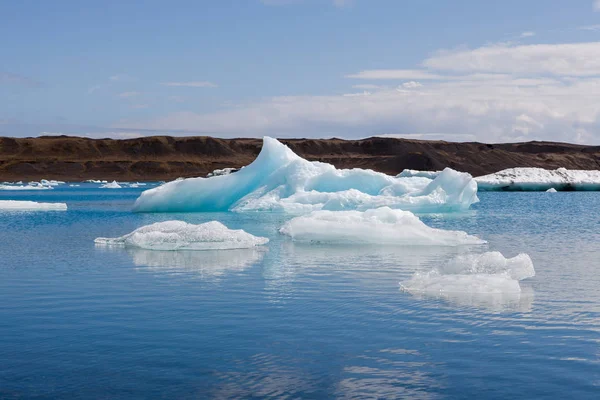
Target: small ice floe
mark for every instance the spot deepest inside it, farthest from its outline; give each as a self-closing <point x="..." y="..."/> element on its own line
<point x="14" y="205"/>
<point x="551" y="190"/>
<point x="179" y="235"/>
<point x="539" y="179"/>
<point x="382" y="226"/>
<point x="111" y="185"/>
<point x="489" y="273"/>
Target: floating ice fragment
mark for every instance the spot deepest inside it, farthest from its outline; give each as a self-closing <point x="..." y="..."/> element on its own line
<point x="489" y="273"/>
<point x="382" y="226"/>
<point x="13" y="205"/>
<point x="413" y="173"/>
<point x="220" y="172"/>
<point x="539" y="179"/>
<point x="279" y="180"/>
<point x="551" y="190"/>
<point x="112" y="185"/>
<point x="179" y="235"/>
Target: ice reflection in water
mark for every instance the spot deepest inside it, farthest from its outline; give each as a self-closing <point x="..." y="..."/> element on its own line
<point x="203" y="264"/>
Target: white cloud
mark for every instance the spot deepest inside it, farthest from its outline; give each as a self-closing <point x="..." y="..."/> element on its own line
<point x="200" y="84"/>
<point x="527" y="34"/>
<point x="590" y="28"/>
<point x="390" y="74"/>
<point x="571" y="59"/>
<point x="128" y="94"/>
<point x="596" y="5"/>
<point x="367" y="86"/>
<point x="495" y="93"/>
<point x="494" y="111"/>
<point x="411" y="85"/>
<point x="365" y="93"/>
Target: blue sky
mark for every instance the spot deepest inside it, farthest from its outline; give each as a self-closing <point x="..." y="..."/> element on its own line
<point x="456" y="70"/>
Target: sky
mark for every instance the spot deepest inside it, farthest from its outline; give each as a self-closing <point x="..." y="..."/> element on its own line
<point x="460" y="70"/>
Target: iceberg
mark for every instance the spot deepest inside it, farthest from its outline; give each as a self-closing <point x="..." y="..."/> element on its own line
<point x="279" y="180"/>
<point x="551" y="190"/>
<point x="111" y="185"/>
<point x="539" y="179"/>
<point x="414" y="173"/>
<point x="382" y="226"/>
<point x="179" y="235"/>
<point x="14" y="205"/>
<point x="488" y="273"/>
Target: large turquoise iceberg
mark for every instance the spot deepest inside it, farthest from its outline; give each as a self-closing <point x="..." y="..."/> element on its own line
<point x="279" y="180"/>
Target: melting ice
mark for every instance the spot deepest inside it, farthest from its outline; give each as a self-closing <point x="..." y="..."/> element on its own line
<point x="489" y="273"/>
<point x="382" y="226"/>
<point x="279" y="180"/>
<point x="179" y="235"/>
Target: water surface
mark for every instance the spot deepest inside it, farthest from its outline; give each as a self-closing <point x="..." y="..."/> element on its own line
<point x="291" y="320"/>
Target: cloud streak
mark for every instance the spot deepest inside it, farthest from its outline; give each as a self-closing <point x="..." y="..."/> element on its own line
<point x="196" y="84"/>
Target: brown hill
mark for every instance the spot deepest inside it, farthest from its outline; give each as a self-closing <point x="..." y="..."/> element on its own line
<point x="166" y="157"/>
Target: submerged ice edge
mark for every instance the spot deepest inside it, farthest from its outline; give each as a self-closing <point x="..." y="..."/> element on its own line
<point x="281" y="181"/>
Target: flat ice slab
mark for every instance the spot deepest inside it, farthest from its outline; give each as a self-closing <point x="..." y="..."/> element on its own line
<point x="382" y="226"/>
<point x="13" y="205"/>
<point x="279" y="180"/>
<point x="539" y="179"/>
<point x="179" y="235"/>
<point x="489" y="273"/>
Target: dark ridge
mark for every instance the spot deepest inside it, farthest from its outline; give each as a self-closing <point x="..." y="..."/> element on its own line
<point x="167" y="157"/>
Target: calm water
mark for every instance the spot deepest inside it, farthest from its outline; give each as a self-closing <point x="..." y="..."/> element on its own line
<point x="290" y="320"/>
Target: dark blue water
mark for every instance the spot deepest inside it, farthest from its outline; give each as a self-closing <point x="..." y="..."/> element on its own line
<point x="290" y="320"/>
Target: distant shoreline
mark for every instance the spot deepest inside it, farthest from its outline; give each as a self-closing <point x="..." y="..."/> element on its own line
<point x="158" y="158"/>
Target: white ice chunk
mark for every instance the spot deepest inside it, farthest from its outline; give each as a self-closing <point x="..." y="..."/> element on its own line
<point x="279" y="180"/>
<point x="539" y="179"/>
<point x="382" y="226"/>
<point x="224" y="171"/>
<point x="474" y="273"/>
<point x="14" y="205"/>
<point x="112" y="185"/>
<point x="46" y="182"/>
<point x="414" y="173"/>
<point x="30" y="186"/>
<point x="551" y="190"/>
<point x="179" y="235"/>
